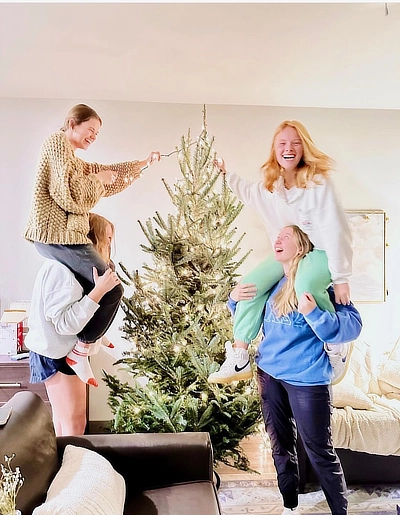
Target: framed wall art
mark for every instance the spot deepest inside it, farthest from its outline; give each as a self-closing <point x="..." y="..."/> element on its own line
<point x="367" y="283"/>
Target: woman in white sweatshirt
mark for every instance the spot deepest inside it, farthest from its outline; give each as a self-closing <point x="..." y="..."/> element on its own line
<point x="59" y="310"/>
<point x="297" y="189"/>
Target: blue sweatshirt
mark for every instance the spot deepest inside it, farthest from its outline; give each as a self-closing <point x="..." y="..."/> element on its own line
<point x="292" y="347"/>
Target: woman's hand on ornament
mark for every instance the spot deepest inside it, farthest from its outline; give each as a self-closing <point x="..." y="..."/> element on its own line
<point x="153" y="157"/>
<point x="243" y="292"/>
<point x="220" y="164"/>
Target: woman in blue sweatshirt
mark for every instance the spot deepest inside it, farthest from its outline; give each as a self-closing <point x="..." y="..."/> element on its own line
<point x="294" y="376"/>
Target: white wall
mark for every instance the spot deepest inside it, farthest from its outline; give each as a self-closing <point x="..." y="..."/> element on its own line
<point x="364" y="144"/>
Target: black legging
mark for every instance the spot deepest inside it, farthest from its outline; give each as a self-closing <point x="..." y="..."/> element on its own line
<point x="81" y="259"/>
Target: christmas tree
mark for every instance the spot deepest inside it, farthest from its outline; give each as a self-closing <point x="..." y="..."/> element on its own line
<point x="177" y="319"/>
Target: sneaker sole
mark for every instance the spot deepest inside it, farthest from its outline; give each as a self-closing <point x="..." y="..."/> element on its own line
<point x="346" y="367"/>
<point x="243" y="376"/>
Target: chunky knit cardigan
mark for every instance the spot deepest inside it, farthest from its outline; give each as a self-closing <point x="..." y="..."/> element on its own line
<point x="66" y="189"/>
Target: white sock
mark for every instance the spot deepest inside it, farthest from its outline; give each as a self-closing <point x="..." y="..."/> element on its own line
<point x="106" y="342"/>
<point x="78" y="360"/>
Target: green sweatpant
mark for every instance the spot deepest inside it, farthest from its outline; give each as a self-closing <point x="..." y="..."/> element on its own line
<point x="312" y="276"/>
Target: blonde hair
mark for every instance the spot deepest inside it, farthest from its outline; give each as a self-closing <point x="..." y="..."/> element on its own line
<point x="80" y="113"/>
<point x="98" y="235"/>
<point x="314" y="162"/>
<point x="285" y="301"/>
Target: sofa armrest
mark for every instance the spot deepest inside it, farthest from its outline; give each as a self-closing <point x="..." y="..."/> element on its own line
<point x="152" y="460"/>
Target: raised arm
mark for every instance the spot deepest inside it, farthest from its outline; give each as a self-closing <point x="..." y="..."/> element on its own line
<point x="124" y="174"/>
<point x="250" y="193"/>
<point x="337" y="241"/>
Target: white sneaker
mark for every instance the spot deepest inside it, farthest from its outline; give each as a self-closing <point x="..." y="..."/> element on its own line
<point x="339" y="357"/>
<point x="236" y="366"/>
<point x="291" y="511"/>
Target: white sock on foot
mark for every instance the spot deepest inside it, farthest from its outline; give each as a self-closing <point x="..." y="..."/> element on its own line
<point x="106" y="342"/>
<point x="78" y="360"/>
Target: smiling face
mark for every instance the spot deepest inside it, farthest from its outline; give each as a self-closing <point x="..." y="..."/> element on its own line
<point x="285" y="246"/>
<point x="288" y="148"/>
<point x="84" y="134"/>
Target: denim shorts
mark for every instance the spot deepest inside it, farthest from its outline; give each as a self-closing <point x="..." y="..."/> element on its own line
<point x="43" y="368"/>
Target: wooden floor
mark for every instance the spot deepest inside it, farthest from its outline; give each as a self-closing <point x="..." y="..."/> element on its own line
<point x="257" y="450"/>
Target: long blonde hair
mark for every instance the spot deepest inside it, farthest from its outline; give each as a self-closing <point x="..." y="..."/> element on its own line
<point x="285" y="301"/>
<point x="98" y="235"/>
<point x="80" y="113"/>
<point x="314" y="162"/>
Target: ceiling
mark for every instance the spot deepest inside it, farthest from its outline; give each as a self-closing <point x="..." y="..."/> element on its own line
<point x="339" y="55"/>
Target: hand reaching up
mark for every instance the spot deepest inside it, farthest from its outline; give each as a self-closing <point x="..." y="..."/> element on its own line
<point x="220" y="164"/>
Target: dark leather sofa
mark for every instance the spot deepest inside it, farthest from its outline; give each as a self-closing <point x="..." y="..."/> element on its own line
<point x="165" y="474"/>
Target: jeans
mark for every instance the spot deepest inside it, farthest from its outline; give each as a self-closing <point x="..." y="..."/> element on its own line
<point x="287" y="409"/>
<point x="81" y="259"/>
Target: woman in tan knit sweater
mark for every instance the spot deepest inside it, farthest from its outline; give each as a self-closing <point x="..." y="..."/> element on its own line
<point x="66" y="189"/>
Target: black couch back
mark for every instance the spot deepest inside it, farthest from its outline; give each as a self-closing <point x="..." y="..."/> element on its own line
<point x="29" y="434"/>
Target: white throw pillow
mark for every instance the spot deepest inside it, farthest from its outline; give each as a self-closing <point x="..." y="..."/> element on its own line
<point x="390" y="373"/>
<point x="359" y="372"/>
<point x="389" y="370"/>
<point x="347" y="394"/>
<point x="86" y="484"/>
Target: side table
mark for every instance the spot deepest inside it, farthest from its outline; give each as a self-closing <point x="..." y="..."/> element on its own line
<point x="14" y="377"/>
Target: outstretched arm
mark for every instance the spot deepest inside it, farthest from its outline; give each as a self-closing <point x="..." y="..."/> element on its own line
<point x="250" y="193"/>
<point x="118" y="176"/>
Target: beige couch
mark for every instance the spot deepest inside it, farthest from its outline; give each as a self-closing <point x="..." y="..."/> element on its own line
<point x="366" y="419"/>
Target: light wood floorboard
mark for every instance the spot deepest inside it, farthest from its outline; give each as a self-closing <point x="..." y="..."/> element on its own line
<point x="257" y="450"/>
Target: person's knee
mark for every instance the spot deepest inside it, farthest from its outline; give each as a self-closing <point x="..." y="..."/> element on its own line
<point x="311" y="284"/>
<point x="115" y="295"/>
<point x="78" y="423"/>
<point x="118" y="291"/>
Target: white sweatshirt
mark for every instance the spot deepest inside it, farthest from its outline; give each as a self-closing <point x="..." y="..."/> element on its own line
<point x="315" y="209"/>
<point x="58" y="311"/>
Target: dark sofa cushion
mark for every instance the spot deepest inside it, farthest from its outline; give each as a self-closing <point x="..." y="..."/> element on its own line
<point x="177" y="499"/>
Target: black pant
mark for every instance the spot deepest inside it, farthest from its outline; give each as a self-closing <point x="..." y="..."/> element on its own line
<point x="81" y="259"/>
<point x="287" y="409"/>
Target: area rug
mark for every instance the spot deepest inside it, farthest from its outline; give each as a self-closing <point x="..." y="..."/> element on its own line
<point x="262" y="497"/>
